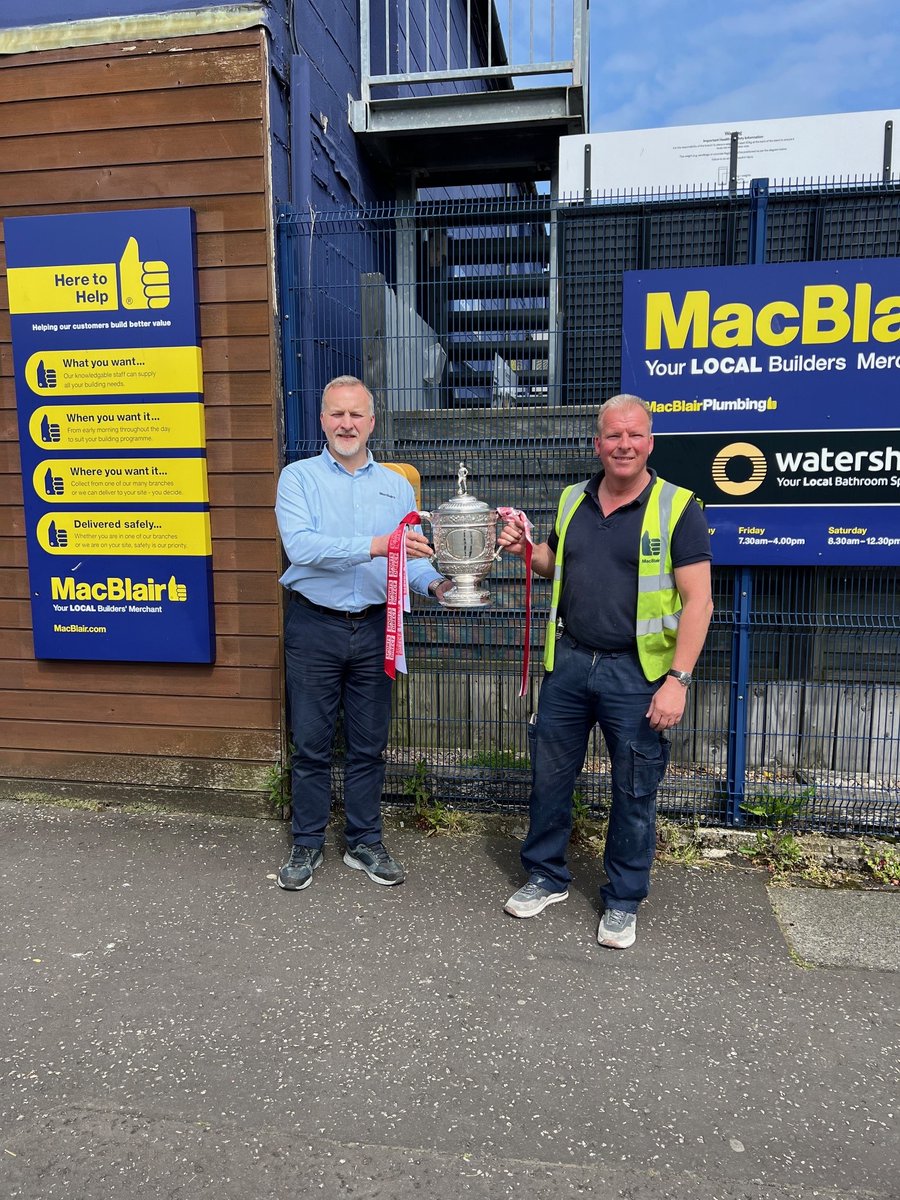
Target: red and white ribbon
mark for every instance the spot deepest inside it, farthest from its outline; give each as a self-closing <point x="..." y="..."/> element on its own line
<point x="516" y="514"/>
<point x="397" y="598"/>
<point x="398" y="594"/>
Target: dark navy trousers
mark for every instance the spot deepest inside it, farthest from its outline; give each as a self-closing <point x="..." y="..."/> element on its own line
<point x="608" y="689"/>
<point x="332" y="663"/>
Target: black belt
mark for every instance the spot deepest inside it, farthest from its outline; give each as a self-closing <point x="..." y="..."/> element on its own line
<point x="370" y="610"/>
<point x="567" y="637"/>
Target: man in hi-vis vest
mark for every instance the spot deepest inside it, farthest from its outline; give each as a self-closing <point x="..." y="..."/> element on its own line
<point x="631" y="603"/>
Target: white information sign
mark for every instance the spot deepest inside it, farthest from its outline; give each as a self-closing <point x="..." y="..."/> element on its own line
<point x="812" y="149"/>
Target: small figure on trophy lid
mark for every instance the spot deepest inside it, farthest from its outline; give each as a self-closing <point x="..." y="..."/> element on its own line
<point x="461" y="476"/>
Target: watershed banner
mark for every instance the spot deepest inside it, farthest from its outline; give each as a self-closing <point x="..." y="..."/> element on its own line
<point x="109" y="388"/>
<point x="774" y="397"/>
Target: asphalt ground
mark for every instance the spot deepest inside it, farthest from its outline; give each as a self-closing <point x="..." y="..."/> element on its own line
<point x="173" y="1025"/>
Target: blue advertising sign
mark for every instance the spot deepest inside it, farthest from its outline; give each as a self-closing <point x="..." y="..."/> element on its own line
<point x="774" y="396"/>
<point x="109" y="383"/>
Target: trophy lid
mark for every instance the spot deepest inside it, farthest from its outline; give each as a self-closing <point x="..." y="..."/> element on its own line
<point x="462" y="504"/>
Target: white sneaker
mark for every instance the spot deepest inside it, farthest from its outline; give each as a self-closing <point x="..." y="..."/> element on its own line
<point x="617" y="929"/>
<point x="532" y="899"/>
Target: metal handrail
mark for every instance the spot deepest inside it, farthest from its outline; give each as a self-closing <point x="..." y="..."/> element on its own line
<point x="490" y="34"/>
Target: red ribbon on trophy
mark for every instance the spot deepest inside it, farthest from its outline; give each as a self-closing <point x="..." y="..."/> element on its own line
<point x="397" y="598"/>
<point x="516" y="514"/>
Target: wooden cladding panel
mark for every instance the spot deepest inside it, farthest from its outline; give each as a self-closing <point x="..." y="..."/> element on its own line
<point x="99" y="73"/>
<point x="114" y="707"/>
<point x="222" y="742"/>
<point x="43" y="118"/>
<point x="163" y="145"/>
<point x="243" y="651"/>
<point x="231" y="213"/>
<point x="106" y="186"/>
<point x="157" y="124"/>
<point x="170" y="679"/>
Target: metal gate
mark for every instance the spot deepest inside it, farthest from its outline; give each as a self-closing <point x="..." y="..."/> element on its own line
<point x="489" y="331"/>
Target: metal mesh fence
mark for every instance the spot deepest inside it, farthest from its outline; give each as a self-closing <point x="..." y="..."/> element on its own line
<point x="489" y="332"/>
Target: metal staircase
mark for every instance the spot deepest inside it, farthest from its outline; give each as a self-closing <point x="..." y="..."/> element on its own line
<point x="494" y="309"/>
<point x="470" y="93"/>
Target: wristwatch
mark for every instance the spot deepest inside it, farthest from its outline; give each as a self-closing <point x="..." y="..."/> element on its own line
<point x="683" y="677"/>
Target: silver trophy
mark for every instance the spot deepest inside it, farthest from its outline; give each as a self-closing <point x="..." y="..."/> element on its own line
<point x="464" y="532"/>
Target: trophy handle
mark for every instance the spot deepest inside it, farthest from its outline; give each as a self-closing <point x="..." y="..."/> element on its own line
<point x="499" y="549"/>
<point x="427" y="516"/>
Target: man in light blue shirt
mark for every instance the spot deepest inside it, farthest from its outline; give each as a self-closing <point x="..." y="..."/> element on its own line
<point x="335" y="514"/>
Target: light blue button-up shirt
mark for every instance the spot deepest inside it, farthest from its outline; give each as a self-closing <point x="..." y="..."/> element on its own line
<point x="327" y="518"/>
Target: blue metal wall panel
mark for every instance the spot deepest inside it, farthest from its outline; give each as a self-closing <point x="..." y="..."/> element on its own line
<point x="51" y="12"/>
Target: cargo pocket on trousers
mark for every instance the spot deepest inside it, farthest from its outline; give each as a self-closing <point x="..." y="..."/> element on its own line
<point x="648" y="766"/>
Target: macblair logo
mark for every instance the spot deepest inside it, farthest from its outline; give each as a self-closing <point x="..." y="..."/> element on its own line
<point x="115" y="588"/>
<point x="650" y="546"/>
<point x="827" y="313"/>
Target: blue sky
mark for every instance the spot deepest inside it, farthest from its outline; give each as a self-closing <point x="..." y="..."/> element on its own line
<point x="695" y="62"/>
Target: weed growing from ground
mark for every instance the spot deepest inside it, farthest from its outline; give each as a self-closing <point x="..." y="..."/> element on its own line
<point x="278" y="787"/>
<point x="679" y="843"/>
<point x="882" y="861"/>
<point x="775" y="848"/>
<point x="431" y="815"/>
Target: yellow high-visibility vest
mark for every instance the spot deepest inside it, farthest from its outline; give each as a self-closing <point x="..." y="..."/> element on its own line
<point x="658" y="601"/>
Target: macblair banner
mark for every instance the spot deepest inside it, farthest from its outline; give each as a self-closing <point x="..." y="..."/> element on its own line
<point x="774" y="392"/>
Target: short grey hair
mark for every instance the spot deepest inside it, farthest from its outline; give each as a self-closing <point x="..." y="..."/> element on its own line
<point x="347" y="381"/>
<point x="616" y="403"/>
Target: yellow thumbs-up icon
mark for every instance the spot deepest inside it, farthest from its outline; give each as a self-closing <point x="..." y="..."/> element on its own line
<point x="142" y="284"/>
<point x="177" y="591"/>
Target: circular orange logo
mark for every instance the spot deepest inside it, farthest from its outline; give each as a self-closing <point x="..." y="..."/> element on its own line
<point x="731" y="465"/>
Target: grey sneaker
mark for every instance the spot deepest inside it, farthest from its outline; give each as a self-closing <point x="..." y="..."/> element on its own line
<point x="376" y="862"/>
<point x="297" y="872"/>
<point x="532" y="899"/>
<point x="617" y="929"/>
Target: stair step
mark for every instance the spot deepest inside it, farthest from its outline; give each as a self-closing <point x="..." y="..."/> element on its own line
<point x="530" y="248"/>
<point x="534" y="284"/>
<point x="497" y="320"/>
<point x="512" y="350"/>
<point x="462" y="375"/>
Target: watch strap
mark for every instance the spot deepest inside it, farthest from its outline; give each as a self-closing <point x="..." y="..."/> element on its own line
<point x="684" y="677"/>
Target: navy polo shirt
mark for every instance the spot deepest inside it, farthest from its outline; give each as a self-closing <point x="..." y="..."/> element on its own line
<point x="600" y="567"/>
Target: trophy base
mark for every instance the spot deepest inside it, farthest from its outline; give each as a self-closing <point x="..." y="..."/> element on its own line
<point x="466" y="597"/>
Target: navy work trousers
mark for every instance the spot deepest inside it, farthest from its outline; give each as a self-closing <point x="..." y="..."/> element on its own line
<point x="332" y="663"/>
<point x="609" y="689"/>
